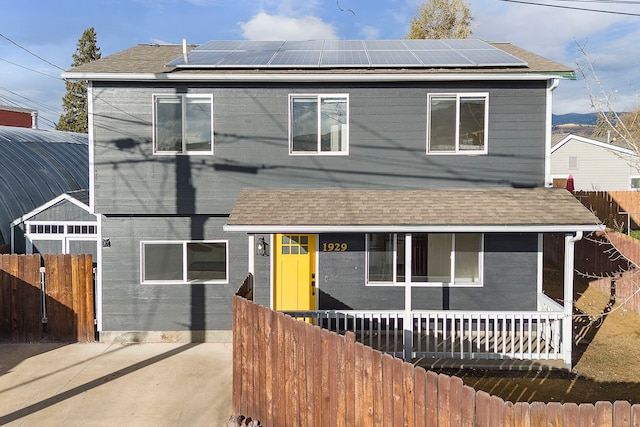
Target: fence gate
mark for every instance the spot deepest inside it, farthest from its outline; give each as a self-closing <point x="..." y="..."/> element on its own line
<point x="52" y="303"/>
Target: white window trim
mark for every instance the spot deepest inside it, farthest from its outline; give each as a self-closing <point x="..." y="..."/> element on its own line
<point x="318" y="97"/>
<point x="184" y="263"/>
<point x="408" y="237"/>
<point x="457" y="151"/>
<point x="66" y="224"/>
<point x="155" y="97"/>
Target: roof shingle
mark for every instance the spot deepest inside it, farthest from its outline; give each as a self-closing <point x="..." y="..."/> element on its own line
<point x="484" y="207"/>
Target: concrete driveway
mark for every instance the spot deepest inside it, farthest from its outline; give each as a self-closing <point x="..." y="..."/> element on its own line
<point x="100" y="384"/>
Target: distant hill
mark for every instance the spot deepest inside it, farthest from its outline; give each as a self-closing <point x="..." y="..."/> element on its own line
<point x="574" y="118"/>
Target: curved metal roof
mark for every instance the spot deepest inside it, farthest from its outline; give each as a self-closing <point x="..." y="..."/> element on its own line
<point x="37" y="166"/>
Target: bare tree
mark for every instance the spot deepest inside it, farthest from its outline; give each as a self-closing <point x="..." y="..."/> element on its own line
<point x="441" y="19"/>
<point x="623" y="126"/>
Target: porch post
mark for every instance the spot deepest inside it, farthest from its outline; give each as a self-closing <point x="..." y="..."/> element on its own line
<point x="408" y="318"/>
<point x="252" y="262"/>
<point x="567" y="324"/>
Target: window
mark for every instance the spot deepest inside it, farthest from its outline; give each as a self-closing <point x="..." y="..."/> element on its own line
<point x="183" y="124"/>
<point x="635" y="182"/>
<point x="457" y="124"/>
<point x="436" y="258"/>
<point x="46" y="229"/>
<point x="318" y="124"/>
<point x="184" y="262"/>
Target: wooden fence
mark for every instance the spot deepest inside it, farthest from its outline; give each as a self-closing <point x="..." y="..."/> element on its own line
<point x="608" y="205"/>
<point x="67" y="313"/>
<point x="291" y="373"/>
<point x="609" y="260"/>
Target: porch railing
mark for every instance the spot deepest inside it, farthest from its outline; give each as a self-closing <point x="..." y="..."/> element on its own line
<point x="535" y="335"/>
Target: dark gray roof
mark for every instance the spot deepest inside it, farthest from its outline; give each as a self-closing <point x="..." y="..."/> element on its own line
<point x="153" y="59"/>
<point x="489" y="208"/>
<point x="35" y="167"/>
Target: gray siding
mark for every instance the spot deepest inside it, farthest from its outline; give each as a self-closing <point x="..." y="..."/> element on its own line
<point x="341" y="279"/>
<point x="387" y="145"/>
<point x="64" y="211"/>
<point x="131" y="306"/>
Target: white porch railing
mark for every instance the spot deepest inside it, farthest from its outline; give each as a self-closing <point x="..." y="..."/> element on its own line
<point x="535" y="335"/>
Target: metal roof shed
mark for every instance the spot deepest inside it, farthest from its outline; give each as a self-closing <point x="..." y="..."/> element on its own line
<point x="37" y="166"/>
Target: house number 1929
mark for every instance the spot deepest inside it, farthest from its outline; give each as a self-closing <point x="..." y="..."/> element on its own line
<point x="334" y="247"/>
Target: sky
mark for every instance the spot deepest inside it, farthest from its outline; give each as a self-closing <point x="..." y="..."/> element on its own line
<point x="39" y="37"/>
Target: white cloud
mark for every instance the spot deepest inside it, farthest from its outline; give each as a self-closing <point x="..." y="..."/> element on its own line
<point x="275" y="27"/>
<point x="370" y="33"/>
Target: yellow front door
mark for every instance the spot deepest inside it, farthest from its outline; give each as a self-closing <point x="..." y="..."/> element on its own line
<point x="294" y="287"/>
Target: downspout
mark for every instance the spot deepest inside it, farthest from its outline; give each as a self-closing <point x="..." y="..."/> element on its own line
<point x="567" y="324"/>
<point x="547" y="143"/>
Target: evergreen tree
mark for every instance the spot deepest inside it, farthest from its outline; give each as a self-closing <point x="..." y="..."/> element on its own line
<point x="441" y="19"/>
<point x="74" y="102"/>
<point x="604" y="126"/>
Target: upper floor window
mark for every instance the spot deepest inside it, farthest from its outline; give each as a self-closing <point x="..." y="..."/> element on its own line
<point x="183" y="124"/>
<point x="457" y="123"/>
<point x="318" y="124"/>
<point x="184" y="262"/>
<point x="436" y="259"/>
<point x="635" y="182"/>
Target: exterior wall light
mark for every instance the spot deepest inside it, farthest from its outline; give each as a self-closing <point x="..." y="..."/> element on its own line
<point x="262" y="247"/>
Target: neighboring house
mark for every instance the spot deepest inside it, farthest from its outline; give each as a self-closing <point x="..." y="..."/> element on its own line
<point x="19" y="117"/>
<point x="594" y="165"/>
<point x="343" y="175"/>
<point x="36" y="167"/>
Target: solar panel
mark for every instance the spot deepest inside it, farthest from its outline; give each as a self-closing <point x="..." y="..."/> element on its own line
<point x="442" y="58"/>
<point x="346" y="53"/>
<point x="251" y="57"/>
<point x="402" y="58"/>
<point x="489" y="57"/>
<point x="296" y="58"/>
<point x="344" y="57"/>
<point x="385" y="45"/>
<point x="222" y="45"/>
<point x="425" y="44"/>
<point x="343" y="45"/>
<point x="467" y="44"/>
<point x="206" y="58"/>
<point x="303" y="45"/>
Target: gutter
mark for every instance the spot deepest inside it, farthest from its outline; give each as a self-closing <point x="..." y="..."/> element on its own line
<point x="579" y="229"/>
<point x="323" y="77"/>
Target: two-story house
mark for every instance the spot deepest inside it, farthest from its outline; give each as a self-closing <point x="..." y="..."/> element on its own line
<point x="398" y="177"/>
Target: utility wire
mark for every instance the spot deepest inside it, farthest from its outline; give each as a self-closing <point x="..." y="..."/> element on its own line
<point x="29" y="52"/>
<point x="30" y="69"/>
<point x="44" y="106"/>
<point x="572" y="8"/>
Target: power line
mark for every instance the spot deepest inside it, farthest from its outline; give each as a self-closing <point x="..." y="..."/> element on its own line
<point x="29" y="52"/>
<point x="44" y="106"/>
<point x="30" y="69"/>
<point x="573" y="8"/>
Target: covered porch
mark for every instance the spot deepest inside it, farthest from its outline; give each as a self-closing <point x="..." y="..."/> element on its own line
<point x="454" y="334"/>
<point x="494" y="311"/>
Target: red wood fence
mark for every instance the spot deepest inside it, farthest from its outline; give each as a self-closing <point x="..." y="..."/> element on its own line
<point x="68" y="312"/>
<point x="291" y="373"/>
<point x="607" y="206"/>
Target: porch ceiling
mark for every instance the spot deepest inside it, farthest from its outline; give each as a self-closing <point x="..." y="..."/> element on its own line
<point x="483" y="210"/>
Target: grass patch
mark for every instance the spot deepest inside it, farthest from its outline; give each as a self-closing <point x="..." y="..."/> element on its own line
<point x="635" y="234"/>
